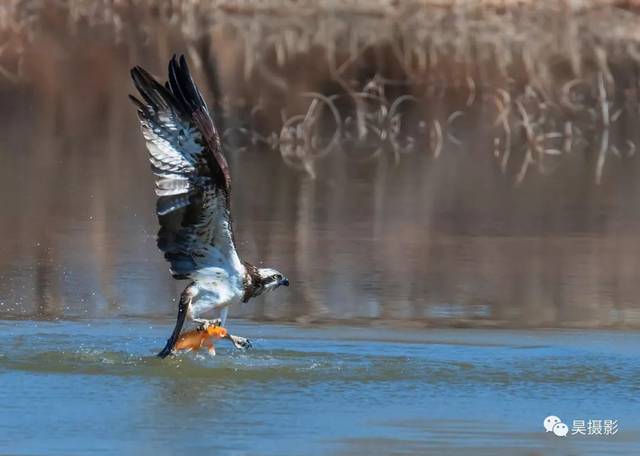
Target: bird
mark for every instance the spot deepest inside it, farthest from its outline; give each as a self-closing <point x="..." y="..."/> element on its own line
<point x="193" y="206"/>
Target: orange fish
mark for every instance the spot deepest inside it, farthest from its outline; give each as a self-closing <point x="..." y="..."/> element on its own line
<point x="199" y="338"/>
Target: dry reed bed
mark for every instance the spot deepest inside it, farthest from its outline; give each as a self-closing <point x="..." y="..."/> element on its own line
<point x="535" y="81"/>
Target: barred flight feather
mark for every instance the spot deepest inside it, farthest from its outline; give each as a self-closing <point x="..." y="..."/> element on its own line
<point x="193" y="180"/>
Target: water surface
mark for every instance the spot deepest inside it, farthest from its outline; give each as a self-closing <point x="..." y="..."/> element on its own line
<point x="94" y="387"/>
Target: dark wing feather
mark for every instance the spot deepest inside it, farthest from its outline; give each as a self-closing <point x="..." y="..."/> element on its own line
<point x="193" y="182"/>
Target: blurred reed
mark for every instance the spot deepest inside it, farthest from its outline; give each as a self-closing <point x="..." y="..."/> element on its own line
<point x="473" y="161"/>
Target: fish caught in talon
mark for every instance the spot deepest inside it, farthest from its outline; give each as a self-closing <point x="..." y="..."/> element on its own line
<point x="201" y="338"/>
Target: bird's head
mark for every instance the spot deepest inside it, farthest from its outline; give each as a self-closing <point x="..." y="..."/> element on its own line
<point x="270" y="279"/>
<point x="261" y="280"/>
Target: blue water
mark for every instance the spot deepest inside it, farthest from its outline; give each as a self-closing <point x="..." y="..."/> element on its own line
<point x="94" y="387"/>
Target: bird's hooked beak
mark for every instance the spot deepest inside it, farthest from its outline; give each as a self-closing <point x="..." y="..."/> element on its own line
<point x="284" y="281"/>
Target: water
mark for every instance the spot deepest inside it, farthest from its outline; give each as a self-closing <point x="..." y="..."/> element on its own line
<point x="94" y="387"/>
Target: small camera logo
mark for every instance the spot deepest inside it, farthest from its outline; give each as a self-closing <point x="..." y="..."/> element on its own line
<point x="554" y="424"/>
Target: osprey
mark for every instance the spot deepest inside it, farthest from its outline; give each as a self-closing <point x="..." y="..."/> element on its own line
<point x="193" y="186"/>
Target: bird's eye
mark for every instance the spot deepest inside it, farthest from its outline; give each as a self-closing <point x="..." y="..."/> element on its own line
<point x="278" y="277"/>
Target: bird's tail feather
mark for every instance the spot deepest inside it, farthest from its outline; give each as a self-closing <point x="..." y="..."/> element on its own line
<point x="185" y="298"/>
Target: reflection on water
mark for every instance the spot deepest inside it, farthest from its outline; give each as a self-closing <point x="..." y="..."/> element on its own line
<point x="340" y="389"/>
<point x="446" y="241"/>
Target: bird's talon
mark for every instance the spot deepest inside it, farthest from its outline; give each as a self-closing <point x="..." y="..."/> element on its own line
<point x="203" y="325"/>
<point x="241" y="343"/>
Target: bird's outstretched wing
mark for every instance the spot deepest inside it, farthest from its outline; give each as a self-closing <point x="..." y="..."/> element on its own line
<point x="192" y="176"/>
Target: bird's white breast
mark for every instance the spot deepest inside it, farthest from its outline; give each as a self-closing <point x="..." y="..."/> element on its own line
<point x="218" y="286"/>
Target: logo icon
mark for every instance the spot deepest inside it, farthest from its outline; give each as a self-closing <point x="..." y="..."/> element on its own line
<point x="554" y="424"/>
<point x="550" y="422"/>
<point x="561" y="429"/>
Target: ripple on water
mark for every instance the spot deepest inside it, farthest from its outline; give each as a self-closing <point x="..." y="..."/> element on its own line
<point x="124" y="350"/>
<point x="318" y="366"/>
